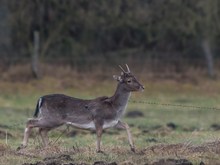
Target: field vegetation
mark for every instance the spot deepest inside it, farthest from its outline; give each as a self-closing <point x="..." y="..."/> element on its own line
<point x="74" y="47"/>
<point x="173" y="129"/>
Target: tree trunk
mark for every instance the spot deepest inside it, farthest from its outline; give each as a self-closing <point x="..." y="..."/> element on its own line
<point x="5" y="31"/>
<point x="209" y="57"/>
<point x="35" y="55"/>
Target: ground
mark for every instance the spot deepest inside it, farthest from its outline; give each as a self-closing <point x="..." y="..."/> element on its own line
<point x="181" y="126"/>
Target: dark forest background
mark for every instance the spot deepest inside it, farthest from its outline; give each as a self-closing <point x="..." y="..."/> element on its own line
<point x="177" y="34"/>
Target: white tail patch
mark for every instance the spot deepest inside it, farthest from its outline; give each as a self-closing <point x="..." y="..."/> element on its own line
<point x="40" y="104"/>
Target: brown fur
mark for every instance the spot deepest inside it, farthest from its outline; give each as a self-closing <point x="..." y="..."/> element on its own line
<point x="98" y="114"/>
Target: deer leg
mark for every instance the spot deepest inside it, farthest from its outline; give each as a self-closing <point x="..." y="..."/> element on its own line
<point x="30" y="124"/>
<point x="99" y="136"/>
<point x="125" y="126"/>
<point x="43" y="133"/>
<point x="99" y="131"/>
<point x="26" y="136"/>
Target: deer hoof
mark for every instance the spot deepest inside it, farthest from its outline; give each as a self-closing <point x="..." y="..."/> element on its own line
<point x="133" y="149"/>
<point x="21" y="147"/>
<point x="100" y="151"/>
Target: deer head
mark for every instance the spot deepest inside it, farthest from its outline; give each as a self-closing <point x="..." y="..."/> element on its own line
<point x="128" y="80"/>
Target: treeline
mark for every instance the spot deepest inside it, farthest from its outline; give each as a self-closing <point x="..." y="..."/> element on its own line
<point x="80" y="31"/>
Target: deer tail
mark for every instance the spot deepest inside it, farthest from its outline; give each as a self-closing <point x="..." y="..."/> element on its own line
<point x="38" y="106"/>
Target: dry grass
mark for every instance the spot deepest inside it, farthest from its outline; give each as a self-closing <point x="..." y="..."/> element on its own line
<point x="95" y="81"/>
<point x="19" y="93"/>
<point x="207" y="153"/>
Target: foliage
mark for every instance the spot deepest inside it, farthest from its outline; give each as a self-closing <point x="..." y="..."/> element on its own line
<point x="83" y="29"/>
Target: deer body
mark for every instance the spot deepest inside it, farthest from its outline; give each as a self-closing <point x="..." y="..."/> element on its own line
<point x="96" y="114"/>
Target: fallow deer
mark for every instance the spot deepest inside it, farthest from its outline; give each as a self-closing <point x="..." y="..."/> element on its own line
<point x="97" y="114"/>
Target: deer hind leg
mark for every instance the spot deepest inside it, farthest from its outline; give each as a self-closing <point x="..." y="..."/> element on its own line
<point x="125" y="126"/>
<point x="43" y="133"/>
<point x="31" y="123"/>
<point x="26" y="136"/>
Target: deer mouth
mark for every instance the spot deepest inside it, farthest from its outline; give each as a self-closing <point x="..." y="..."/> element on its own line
<point x="141" y="88"/>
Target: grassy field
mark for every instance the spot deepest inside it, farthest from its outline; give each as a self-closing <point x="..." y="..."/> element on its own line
<point x="161" y="131"/>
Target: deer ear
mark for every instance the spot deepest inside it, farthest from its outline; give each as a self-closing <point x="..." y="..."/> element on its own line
<point x="118" y="78"/>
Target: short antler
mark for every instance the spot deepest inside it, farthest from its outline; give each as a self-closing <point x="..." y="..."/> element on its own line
<point x="128" y="70"/>
<point x="121" y="68"/>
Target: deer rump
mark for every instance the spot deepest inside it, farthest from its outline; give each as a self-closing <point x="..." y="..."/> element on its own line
<point x="57" y="109"/>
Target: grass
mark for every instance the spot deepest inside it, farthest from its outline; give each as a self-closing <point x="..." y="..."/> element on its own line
<point x="154" y="138"/>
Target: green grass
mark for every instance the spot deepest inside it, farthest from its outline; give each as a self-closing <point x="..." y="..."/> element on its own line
<point x="193" y="126"/>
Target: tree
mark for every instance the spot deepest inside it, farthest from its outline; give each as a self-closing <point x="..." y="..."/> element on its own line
<point x="209" y="29"/>
<point x="80" y="30"/>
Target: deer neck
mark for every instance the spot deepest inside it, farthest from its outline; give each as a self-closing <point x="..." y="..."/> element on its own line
<point x="120" y="98"/>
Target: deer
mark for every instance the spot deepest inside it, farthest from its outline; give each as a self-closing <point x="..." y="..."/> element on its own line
<point x="96" y="114"/>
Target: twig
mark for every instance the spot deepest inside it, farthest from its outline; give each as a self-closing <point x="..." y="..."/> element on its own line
<point x="53" y="143"/>
<point x="6" y="137"/>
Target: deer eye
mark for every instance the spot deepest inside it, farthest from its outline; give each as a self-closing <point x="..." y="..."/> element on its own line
<point x="129" y="81"/>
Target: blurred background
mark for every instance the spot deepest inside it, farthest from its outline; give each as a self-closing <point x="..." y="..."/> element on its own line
<point x="75" y="46"/>
<point x="162" y="38"/>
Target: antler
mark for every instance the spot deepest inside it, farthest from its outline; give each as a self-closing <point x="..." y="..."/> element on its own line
<point x="121" y="68"/>
<point x="128" y="70"/>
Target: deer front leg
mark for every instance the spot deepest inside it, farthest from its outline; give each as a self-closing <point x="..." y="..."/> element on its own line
<point x="99" y="131"/>
<point x="122" y="125"/>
